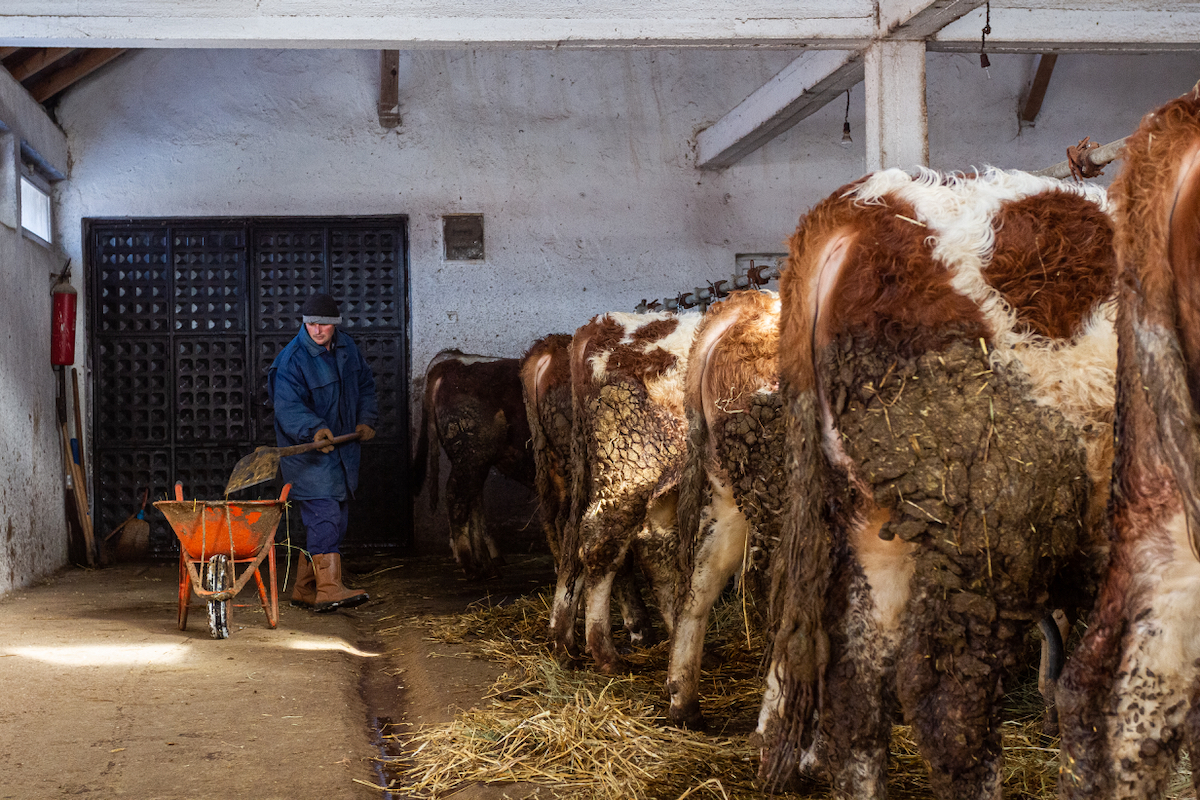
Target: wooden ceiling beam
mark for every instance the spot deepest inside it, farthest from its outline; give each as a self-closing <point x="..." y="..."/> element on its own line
<point x="1037" y="92"/>
<point x="814" y="79"/>
<point x="800" y="89"/>
<point x="389" y="88"/>
<point x="1126" y="27"/>
<point x="91" y="61"/>
<point x="37" y="60"/>
<point x="411" y="24"/>
<point x="5" y="52"/>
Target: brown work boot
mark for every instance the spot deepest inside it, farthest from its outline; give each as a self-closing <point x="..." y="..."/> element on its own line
<point x="304" y="591"/>
<point x="331" y="593"/>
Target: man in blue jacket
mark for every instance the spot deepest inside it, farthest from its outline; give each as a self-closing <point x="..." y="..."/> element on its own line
<point x="322" y="387"/>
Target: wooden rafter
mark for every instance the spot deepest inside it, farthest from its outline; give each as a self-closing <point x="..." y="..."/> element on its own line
<point x="389" y="88"/>
<point x="38" y="59"/>
<point x="813" y="80"/>
<point x="91" y="61"/>
<point x="1037" y="92"/>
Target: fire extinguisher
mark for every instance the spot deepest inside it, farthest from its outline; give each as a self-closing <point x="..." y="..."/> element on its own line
<point x="62" y="333"/>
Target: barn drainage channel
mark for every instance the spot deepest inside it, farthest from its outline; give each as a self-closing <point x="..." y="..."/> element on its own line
<point x="383" y="701"/>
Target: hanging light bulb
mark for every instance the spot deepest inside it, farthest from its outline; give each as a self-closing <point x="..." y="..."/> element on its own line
<point x="984" y="61"/>
<point x="846" y="140"/>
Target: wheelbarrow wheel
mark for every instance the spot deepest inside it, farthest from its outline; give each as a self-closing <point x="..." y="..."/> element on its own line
<point x="216" y="579"/>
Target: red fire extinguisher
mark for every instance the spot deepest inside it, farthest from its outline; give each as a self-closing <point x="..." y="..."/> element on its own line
<point x="62" y="333"/>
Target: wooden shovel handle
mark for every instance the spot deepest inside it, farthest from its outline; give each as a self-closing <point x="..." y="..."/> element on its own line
<point x="296" y="449"/>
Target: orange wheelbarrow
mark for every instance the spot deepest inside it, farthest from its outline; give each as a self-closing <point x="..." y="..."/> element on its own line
<point x="215" y="536"/>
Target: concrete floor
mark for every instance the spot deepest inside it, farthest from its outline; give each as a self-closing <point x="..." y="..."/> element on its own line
<point x="105" y="697"/>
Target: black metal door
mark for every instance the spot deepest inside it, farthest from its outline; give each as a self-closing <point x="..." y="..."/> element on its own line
<point x="185" y="317"/>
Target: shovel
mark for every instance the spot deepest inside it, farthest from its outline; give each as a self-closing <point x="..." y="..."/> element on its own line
<point x="262" y="465"/>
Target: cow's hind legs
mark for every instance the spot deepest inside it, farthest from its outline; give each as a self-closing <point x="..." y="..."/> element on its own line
<point x="598" y="623"/>
<point x="1146" y="710"/>
<point x="468" y="532"/>
<point x="656" y="548"/>
<point x="720" y="554"/>
<point x="856" y="717"/>
<point x="562" y="617"/>
<point x="1129" y="695"/>
<point x="949" y="684"/>
<point x="633" y="606"/>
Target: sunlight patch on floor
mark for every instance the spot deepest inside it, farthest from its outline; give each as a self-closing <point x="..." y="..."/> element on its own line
<point x="329" y="643"/>
<point x="99" y="655"/>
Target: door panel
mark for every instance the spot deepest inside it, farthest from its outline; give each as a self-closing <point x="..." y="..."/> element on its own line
<point x="186" y="316"/>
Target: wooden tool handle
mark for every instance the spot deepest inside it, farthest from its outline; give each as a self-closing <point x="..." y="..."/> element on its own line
<point x="297" y="449"/>
<point x="78" y="418"/>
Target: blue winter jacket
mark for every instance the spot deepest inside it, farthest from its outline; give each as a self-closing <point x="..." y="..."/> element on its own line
<point x="313" y="388"/>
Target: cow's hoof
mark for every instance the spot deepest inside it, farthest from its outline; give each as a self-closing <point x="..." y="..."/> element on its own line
<point x="567" y="660"/>
<point x="615" y="666"/>
<point x="688" y="717"/>
<point x="1050" y="723"/>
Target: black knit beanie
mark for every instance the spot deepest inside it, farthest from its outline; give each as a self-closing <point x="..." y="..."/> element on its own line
<point x="321" y="309"/>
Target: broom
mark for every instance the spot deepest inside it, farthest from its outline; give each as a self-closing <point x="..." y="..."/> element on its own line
<point x="133" y="541"/>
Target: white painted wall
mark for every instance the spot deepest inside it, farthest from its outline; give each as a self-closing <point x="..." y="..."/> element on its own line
<point x="580" y="161"/>
<point x="33" y="533"/>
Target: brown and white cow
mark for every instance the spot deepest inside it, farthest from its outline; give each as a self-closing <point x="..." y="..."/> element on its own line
<point x="628" y="445"/>
<point x="474" y="410"/>
<point x="1130" y="695"/>
<point x="946" y="361"/>
<point x="546" y="383"/>
<point x="731" y="492"/>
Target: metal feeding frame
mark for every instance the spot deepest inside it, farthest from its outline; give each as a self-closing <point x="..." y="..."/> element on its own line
<point x="753" y="271"/>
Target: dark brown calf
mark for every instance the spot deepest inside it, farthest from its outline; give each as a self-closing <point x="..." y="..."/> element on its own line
<point x="474" y="410"/>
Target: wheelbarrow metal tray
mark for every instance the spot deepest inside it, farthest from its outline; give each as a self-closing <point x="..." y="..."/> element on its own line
<point x="210" y="527"/>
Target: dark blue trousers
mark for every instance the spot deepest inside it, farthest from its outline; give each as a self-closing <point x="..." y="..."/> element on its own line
<point x="325" y="522"/>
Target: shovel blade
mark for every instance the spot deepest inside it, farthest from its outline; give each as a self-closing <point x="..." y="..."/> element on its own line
<point x="259" y="467"/>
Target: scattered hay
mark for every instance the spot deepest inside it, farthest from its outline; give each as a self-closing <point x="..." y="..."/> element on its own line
<point x="586" y="744"/>
<point x="587" y="736"/>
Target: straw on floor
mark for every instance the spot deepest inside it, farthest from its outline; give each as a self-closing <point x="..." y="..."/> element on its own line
<point x="592" y="736"/>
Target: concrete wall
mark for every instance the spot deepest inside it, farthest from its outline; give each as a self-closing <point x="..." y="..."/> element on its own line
<point x="33" y="533"/>
<point x="580" y="161"/>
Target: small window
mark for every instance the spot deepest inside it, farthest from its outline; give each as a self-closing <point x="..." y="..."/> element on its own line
<point x="35" y="209"/>
<point x="463" y="234"/>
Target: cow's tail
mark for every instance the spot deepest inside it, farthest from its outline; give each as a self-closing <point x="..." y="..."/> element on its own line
<point x="580" y="469"/>
<point x="801" y="567"/>
<point x="800" y="578"/>
<point x="1157" y="197"/>
<point x="426" y="462"/>
<point x="700" y="395"/>
<point x="533" y="367"/>
<point x="694" y="493"/>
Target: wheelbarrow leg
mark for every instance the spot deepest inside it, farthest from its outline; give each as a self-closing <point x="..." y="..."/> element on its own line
<point x="185" y="592"/>
<point x="269" y="594"/>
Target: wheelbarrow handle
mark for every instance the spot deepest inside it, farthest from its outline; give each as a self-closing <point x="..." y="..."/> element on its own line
<point x="296" y="449"/>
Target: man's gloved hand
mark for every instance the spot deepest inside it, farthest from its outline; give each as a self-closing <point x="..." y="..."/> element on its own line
<point x="326" y="434"/>
<point x="365" y="432"/>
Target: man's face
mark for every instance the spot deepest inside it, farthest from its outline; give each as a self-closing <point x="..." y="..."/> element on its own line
<point x="321" y="334"/>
